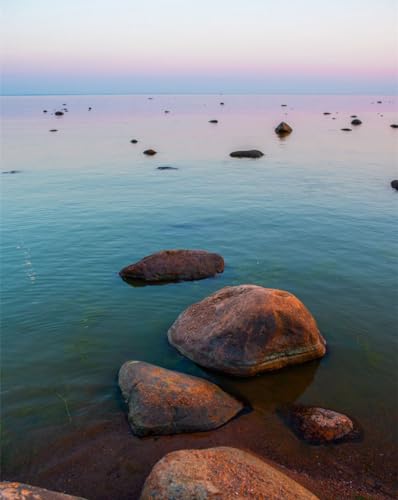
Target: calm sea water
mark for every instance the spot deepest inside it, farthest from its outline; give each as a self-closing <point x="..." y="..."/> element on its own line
<point x="315" y="216"/>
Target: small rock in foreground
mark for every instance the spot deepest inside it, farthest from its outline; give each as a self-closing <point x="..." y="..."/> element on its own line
<point x="163" y="401"/>
<point x="221" y="473"/>
<point x="20" y="491"/>
<point x="174" y="265"/>
<point x="283" y="129"/>
<point x="150" y="152"/>
<point x="320" y="425"/>
<point x="251" y="153"/>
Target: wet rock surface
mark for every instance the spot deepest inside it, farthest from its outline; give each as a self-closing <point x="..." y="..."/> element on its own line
<point x="221" y="473"/>
<point x="283" y="129"/>
<point x="162" y="401"/>
<point x="20" y="491"/>
<point x="247" y="329"/>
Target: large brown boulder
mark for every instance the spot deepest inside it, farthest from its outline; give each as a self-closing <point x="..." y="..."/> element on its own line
<point x="20" y="491"/>
<point x="174" y="265"/>
<point x="162" y="401"/>
<point x="283" y="129"/>
<point x="320" y="425"/>
<point x="247" y="329"/>
<point x="219" y="473"/>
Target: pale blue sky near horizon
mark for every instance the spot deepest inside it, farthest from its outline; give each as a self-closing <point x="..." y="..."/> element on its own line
<point x="212" y="46"/>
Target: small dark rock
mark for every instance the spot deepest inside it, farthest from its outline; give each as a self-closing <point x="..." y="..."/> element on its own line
<point x="346" y="129"/>
<point x="379" y="102"/>
<point x="213" y="121"/>
<point x="327" y="113"/>
<point x="394" y="125"/>
<point x="133" y="141"/>
<point x="394" y="184"/>
<point x="58" y="113"/>
<point x="166" y="167"/>
<point x="44" y="111"/>
<point x="283" y="129"/>
<point x="353" y="116"/>
<point x="166" y="111"/>
<point x="90" y="109"/>
<point x="283" y="105"/>
<point x="150" y="152"/>
<point x="251" y="153"/>
<point x="12" y="172"/>
<point x="54" y="130"/>
<point x="356" y="121"/>
<point x="221" y="104"/>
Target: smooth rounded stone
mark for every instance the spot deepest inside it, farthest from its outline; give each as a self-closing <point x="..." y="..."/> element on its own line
<point x="251" y="153"/>
<point x="346" y="129"/>
<point x="356" y="121"/>
<point x="162" y="401"/>
<point x="213" y="121"/>
<point x="394" y="184"/>
<point x="133" y="141"/>
<point x="247" y="329"/>
<point x="150" y="152"/>
<point x="221" y="473"/>
<point x="20" y="491"/>
<point x="283" y="129"/>
<point x="174" y="265"/>
<point x="59" y="113"/>
<point x="166" y="167"/>
<point x="394" y="125"/>
<point x="320" y="425"/>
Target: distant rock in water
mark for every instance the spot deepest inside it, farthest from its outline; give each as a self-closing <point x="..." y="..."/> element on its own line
<point x="283" y="105"/>
<point x="221" y="473"/>
<point x="213" y="121"/>
<point x="166" y="167"/>
<point x="174" y="265"/>
<point x="163" y="401"/>
<point x="166" y="111"/>
<point x="12" y="172"/>
<point x="245" y="330"/>
<point x="283" y="129"/>
<point x="394" y="184"/>
<point x="90" y="108"/>
<point x="44" y="111"/>
<point x="353" y="116"/>
<point x="394" y="125"/>
<point x="54" y="130"/>
<point x="221" y="104"/>
<point x="356" y="121"/>
<point x="320" y="425"/>
<point x="59" y="113"/>
<point x="327" y="113"/>
<point x="379" y="102"/>
<point x="150" y="152"/>
<point x="20" y="491"/>
<point x="251" y="153"/>
<point x="346" y="129"/>
<point x="133" y="141"/>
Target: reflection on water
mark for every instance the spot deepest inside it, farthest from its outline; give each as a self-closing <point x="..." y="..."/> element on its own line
<point x="314" y="216"/>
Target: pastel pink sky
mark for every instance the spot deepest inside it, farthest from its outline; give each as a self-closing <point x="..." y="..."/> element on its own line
<point x="190" y="46"/>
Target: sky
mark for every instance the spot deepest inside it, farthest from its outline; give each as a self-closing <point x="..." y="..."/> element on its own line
<point x="199" y="46"/>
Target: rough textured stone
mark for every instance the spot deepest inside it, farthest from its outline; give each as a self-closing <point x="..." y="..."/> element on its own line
<point x="394" y="184"/>
<point x="251" y="153"/>
<point x="219" y="473"/>
<point x="247" y="329"/>
<point x="283" y="129"/>
<point x="150" y="152"/>
<point x="20" y="491"/>
<point x="166" y="402"/>
<point x="174" y="265"/>
<point x="320" y="425"/>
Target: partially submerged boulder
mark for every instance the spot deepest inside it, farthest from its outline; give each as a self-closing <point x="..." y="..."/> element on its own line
<point x="247" y="329"/>
<point x="174" y="265"/>
<point x="162" y="401"/>
<point x="221" y="473"/>
<point x="20" y="491"/>
<point x="320" y="425"/>
<point x="283" y="129"/>
<point x="150" y="152"/>
<point x="394" y="184"/>
<point x="356" y="121"/>
<point x="251" y="153"/>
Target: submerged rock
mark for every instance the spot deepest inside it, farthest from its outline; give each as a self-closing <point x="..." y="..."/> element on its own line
<point x="150" y="152"/>
<point x="20" y="491"/>
<point x="356" y="121"/>
<point x="213" y="121"/>
<point x="247" y="329"/>
<point x="251" y="153"/>
<point x="162" y="401"/>
<point x="394" y="184"/>
<point x="175" y="265"/>
<point x="221" y="473"/>
<point x="59" y="113"/>
<point x="320" y="425"/>
<point x="166" y="167"/>
<point x="283" y="129"/>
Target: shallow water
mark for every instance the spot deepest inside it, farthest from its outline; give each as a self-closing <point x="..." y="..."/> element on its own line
<point x="315" y="216"/>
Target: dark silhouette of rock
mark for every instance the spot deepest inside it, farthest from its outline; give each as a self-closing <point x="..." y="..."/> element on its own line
<point x="12" y="172"/>
<point x="251" y="153"/>
<point x="221" y="104"/>
<point x="44" y="111"/>
<point x="283" y="129"/>
<point x="54" y="130"/>
<point x="353" y="116"/>
<point x="320" y="425"/>
<point x="356" y="121"/>
<point x="213" y="121"/>
<point x="20" y="491"/>
<point x="59" y="113"/>
<point x="90" y="108"/>
<point x="327" y="113"/>
<point x="247" y="329"/>
<point x="394" y="125"/>
<point x="346" y="129"/>
<point x="283" y="105"/>
<point x="166" y="167"/>
<point x="133" y="141"/>
<point x="379" y="102"/>
<point x="162" y="401"/>
<point x="221" y="473"/>
<point x="167" y="111"/>
<point x="394" y="184"/>
<point x="150" y="152"/>
<point x="175" y="265"/>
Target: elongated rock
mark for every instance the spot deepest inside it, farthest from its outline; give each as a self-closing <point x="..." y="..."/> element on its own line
<point x="251" y="153"/>
<point x="174" y="265"/>
<point x="221" y="473"/>
<point x="20" y="491"/>
<point x="162" y="401"/>
<point x="247" y="329"/>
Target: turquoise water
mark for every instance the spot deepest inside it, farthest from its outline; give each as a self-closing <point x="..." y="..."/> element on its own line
<point x="315" y="216"/>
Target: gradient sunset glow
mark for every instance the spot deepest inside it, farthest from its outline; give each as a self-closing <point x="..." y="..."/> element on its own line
<point x="179" y="46"/>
